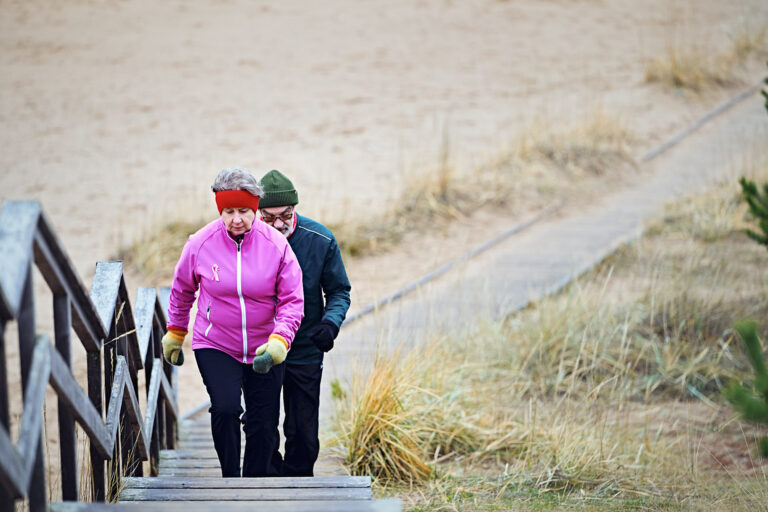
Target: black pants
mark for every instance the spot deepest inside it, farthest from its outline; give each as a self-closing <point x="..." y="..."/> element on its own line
<point x="301" y="400"/>
<point x="225" y="378"/>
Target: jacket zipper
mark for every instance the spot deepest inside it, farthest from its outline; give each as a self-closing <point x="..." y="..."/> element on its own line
<point x="242" y="302"/>
<point x="208" y="317"/>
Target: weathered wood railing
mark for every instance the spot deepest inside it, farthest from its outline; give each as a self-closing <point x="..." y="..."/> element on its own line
<point x="119" y="341"/>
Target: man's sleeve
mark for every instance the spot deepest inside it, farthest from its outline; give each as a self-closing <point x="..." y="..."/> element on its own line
<point x="335" y="285"/>
<point x="290" y="296"/>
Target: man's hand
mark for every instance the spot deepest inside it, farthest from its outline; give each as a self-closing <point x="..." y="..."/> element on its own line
<point x="323" y="334"/>
<point x="172" y="342"/>
<point x="273" y="352"/>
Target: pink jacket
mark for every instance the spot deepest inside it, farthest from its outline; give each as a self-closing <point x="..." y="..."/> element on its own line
<point x="247" y="292"/>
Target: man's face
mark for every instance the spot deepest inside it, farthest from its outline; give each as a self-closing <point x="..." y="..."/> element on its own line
<point x="279" y="217"/>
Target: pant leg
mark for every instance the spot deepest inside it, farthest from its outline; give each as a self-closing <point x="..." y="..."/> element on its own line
<point x="223" y="378"/>
<point x="262" y="415"/>
<point x="301" y="400"/>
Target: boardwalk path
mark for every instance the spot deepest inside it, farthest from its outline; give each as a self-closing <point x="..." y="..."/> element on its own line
<point x="546" y="256"/>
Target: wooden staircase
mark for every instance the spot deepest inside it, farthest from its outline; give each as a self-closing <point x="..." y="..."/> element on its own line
<point x="189" y="479"/>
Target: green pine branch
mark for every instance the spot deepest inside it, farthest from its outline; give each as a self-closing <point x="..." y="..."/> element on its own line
<point x="758" y="207"/>
<point x="751" y="403"/>
<point x="764" y="93"/>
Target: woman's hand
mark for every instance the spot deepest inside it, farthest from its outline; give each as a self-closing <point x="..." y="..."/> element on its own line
<point x="273" y="352"/>
<point x="172" y="342"/>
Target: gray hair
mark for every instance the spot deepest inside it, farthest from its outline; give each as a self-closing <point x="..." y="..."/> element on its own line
<point x="237" y="178"/>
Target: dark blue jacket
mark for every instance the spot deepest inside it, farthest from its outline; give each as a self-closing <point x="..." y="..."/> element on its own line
<point x="326" y="286"/>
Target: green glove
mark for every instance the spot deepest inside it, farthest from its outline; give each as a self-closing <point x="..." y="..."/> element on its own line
<point x="273" y="352"/>
<point x="172" y="342"/>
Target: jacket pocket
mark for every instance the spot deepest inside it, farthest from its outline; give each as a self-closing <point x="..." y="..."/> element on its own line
<point x="208" y="317"/>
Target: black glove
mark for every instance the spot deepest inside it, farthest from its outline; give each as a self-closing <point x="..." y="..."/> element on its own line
<point x="323" y="334"/>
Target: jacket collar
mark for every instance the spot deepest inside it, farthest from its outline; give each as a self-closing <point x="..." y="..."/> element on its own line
<point x="246" y="236"/>
<point x="295" y="223"/>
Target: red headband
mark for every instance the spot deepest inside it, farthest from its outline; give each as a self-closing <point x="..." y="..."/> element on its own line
<point x="236" y="199"/>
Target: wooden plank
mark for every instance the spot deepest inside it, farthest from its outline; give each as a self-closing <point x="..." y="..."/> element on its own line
<point x="170" y="397"/>
<point x="62" y="326"/>
<point x="189" y="473"/>
<point x="5" y="418"/>
<point x="196" y="429"/>
<point x="198" y="425"/>
<point x="6" y="313"/>
<point x="202" y="463"/>
<point x="85" y="312"/>
<point x="143" y="318"/>
<point x="64" y="281"/>
<point x="18" y="225"/>
<point x="188" y="434"/>
<point x="12" y="473"/>
<point x="98" y="487"/>
<point x="245" y="494"/>
<point x="164" y="299"/>
<point x="195" y="437"/>
<point x="168" y="455"/>
<point x="79" y="405"/>
<point x="105" y="289"/>
<point x="6" y="501"/>
<point x="133" y="412"/>
<point x="116" y="398"/>
<point x="153" y="394"/>
<point x="123" y="397"/>
<point x="295" y="482"/>
<point x="30" y="445"/>
<point x="386" y="505"/>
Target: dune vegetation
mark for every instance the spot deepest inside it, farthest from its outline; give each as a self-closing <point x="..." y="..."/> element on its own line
<point x="605" y="396"/>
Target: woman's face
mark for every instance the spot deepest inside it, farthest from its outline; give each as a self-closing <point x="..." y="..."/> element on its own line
<point x="238" y="220"/>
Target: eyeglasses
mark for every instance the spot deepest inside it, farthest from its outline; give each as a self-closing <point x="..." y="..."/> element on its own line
<point x="286" y="217"/>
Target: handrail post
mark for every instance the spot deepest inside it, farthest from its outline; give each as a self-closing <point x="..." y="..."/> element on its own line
<point x="149" y="365"/>
<point x="110" y="362"/>
<point x="26" y="323"/>
<point x="94" y="393"/>
<point x="62" y="326"/>
<point x="6" y="502"/>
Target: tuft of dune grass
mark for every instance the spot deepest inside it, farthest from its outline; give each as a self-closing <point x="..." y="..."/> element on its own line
<point x="696" y="70"/>
<point x="156" y="254"/>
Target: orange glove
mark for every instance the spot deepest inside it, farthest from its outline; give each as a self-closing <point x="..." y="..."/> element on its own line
<point x="172" y="342"/>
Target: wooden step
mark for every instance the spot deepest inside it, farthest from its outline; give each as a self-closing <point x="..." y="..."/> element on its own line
<point x="386" y="505"/>
<point x="246" y="489"/>
<point x="296" y="482"/>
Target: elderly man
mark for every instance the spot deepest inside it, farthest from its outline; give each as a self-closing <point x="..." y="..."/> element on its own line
<point x="324" y="276"/>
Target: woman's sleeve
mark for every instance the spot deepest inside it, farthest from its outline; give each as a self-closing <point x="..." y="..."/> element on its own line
<point x="183" y="289"/>
<point x="290" y="296"/>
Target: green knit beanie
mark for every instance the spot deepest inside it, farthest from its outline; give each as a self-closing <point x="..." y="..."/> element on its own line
<point x="278" y="190"/>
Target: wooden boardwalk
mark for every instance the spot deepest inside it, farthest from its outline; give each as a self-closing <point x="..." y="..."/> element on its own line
<point x="189" y="478"/>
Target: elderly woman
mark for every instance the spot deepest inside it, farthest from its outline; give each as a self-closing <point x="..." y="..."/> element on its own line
<point x="249" y="307"/>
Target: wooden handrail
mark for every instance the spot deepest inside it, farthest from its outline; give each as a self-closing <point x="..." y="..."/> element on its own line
<point x="108" y="328"/>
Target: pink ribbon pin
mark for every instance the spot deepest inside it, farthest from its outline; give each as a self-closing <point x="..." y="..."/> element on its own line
<point x="215" y="269"/>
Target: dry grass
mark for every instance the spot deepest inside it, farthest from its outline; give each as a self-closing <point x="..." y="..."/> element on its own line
<point x="695" y="69"/>
<point x="156" y="254"/>
<point x="690" y="69"/>
<point x="607" y="395"/>
<point x="542" y="165"/>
